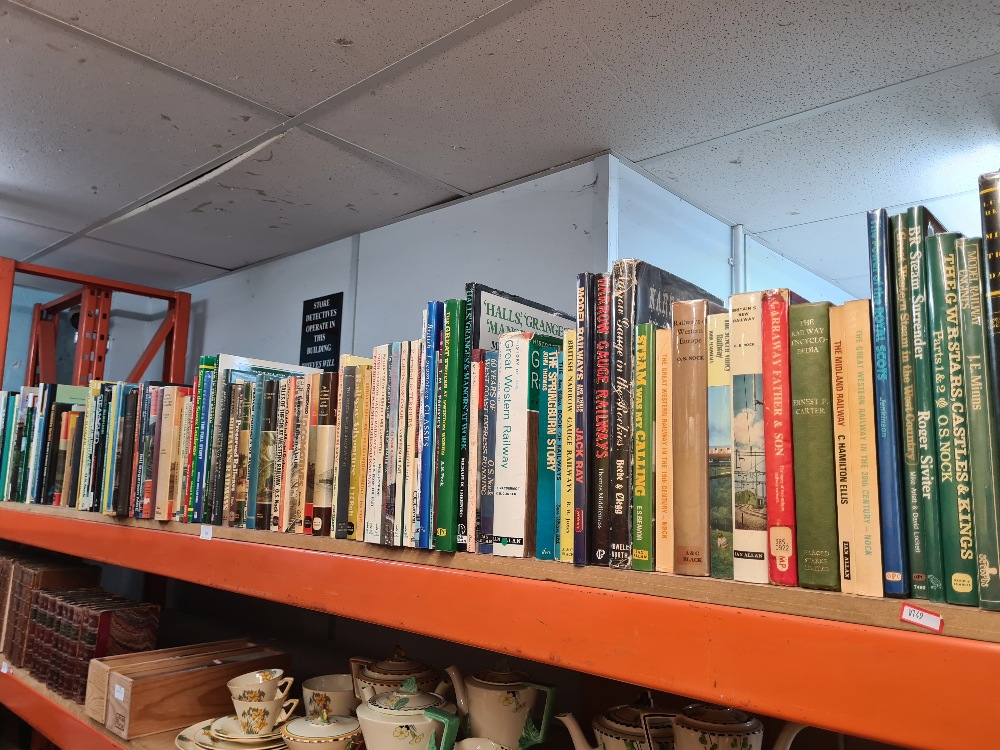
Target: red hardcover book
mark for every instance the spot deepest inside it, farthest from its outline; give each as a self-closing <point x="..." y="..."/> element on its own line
<point x="781" y="559"/>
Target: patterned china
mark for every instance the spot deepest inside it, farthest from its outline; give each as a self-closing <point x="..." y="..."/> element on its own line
<point x="333" y="693"/>
<point x="376" y="677"/>
<point x="325" y="732"/>
<point x="408" y="719"/>
<point x="262" y="685"/>
<point x="197" y="737"/>
<point x="623" y="728"/>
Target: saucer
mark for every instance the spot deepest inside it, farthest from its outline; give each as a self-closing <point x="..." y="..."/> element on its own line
<point x="229" y="728"/>
<point x="196" y="737"/>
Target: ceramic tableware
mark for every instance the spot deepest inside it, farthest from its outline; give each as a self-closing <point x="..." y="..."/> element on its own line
<point x="407" y="719"/>
<point x="377" y="677"/>
<point x="229" y="728"/>
<point x="197" y="737"/>
<point x="498" y="703"/>
<point x="257" y="718"/>
<point x="622" y="728"/>
<point x="699" y="726"/>
<point x="262" y="685"/>
<point x="324" y="733"/>
<point x="333" y="693"/>
<point x="478" y="743"/>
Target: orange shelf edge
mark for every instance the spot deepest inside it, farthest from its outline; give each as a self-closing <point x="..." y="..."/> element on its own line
<point x="856" y="679"/>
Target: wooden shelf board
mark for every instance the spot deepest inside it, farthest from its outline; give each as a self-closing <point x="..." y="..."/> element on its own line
<point x="62" y="721"/>
<point x="839" y="662"/>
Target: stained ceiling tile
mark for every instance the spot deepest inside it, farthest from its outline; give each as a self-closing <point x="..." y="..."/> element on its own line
<point x="288" y="57"/>
<point x="292" y="196"/>
<point x="87" y="130"/>
<point x="129" y="264"/>
<point x="566" y="78"/>
<point x="19" y="239"/>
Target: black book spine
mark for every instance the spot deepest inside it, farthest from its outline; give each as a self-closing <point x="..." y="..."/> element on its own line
<point x="100" y="440"/>
<point x="71" y="482"/>
<point x="43" y="422"/>
<point x="583" y="411"/>
<point x="463" y="526"/>
<point x="47" y="479"/>
<point x="623" y="330"/>
<point x="142" y="417"/>
<point x="989" y="204"/>
<point x="268" y="436"/>
<point x="126" y="442"/>
<point x="602" y="386"/>
<point x="217" y="485"/>
<point x="345" y="426"/>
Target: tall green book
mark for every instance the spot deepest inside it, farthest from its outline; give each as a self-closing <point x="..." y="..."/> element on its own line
<point x="644" y="447"/>
<point x="452" y="353"/>
<point x="919" y="223"/>
<point x="984" y="470"/>
<point x="908" y="407"/>
<point x="812" y="428"/>
<point x="950" y="417"/>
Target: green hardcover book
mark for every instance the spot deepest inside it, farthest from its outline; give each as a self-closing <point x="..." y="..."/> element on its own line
<point x="920" y="222"/>
<point x="812" y="427"/>
<point x="954" y="489"/>
<point x="10" y="423"/>
<point x="984" y="471"/>
<point x="452" y="354"/>
<point x="205" y="364"/>
<point x="908" y="407"/>
<point x="643" y="447"/>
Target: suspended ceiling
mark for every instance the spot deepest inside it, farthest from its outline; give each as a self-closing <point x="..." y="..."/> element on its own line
<point x="171" y="142"/>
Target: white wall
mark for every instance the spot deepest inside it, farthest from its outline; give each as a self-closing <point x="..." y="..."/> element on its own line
<point x="768" y="270"/>
<point x="657" y="226"/>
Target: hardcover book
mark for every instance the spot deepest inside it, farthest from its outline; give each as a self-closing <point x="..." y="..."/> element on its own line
<point x="847" y="550"/>
<point x="376" y="445"/>
<point x="547" y="496"/>
<point x="476" y="397"/>
<point x="324" y="470"/>
<point x="487" y="460"/>
<point x="663" y="542"/>
<point x="345" y="449"/>
<point x="568" y="414"/>
<point x="720" y="445"/>
<point x="583" y="417"/>
<point x="643" y="463"/>
<point x="433" y="324"/>
<point x="601" y="390"/>
<point x="412" y="468"/>
<point x="446" y="518"/>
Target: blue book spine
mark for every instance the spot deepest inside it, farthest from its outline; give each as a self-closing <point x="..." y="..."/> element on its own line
<point x="895" y="569"/>
<point x="583" y="414"/>
<point x="546" y="510"/>
<point x="258" y="403"/>
<point x="491" y="363"/>
<point x="428" y="450"/>
<point x="203" y="424"/>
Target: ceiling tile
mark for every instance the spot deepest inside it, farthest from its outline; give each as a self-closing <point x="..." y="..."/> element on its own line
<point x="835" y="248"/>
<point x="566" y="78"/>
<point x="19" y="239"/>
<point x="87" y="130"/>
<point x="291" y="196"/>
<point x="288" y="57"/>
<point x="129" y="264"/>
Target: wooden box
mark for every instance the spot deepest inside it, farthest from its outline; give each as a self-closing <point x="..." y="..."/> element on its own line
<point x="171" y="698"/>
<point x="97" y="675"/>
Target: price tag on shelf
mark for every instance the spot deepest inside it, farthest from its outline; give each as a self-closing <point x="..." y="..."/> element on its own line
<point x="206" y="531"/>
<point x="4" y="669"/>
<point x="922" y="618"/>
<point x="119" y="693"/>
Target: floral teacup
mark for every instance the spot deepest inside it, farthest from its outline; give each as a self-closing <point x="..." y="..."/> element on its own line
<point x="262" y="685"/>
<point x="332" y="694"/>
<point x="260" y="717"/>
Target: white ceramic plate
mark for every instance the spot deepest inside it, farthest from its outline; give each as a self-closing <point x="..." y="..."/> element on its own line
<point x="196" y="737"/>
<point x="228" y="728"/>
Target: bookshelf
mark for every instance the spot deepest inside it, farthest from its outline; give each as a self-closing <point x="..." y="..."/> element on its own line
<point x="849" y="662"/>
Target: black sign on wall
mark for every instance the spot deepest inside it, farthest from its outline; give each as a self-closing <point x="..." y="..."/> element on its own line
<point x="321" y="319"/>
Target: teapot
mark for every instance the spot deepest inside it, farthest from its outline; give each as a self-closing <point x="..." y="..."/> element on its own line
<point x="498" y="703"/>
<point x="699" y="726"/>
<point x="408" y="719"/>
<point x="374" y="678"/>
<point x="623" y="728"/>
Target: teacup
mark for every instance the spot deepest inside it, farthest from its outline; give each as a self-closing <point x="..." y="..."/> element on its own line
<point x="262" y="685"/>
<point x="332" y="693"/>
<point x="260" y="717"/>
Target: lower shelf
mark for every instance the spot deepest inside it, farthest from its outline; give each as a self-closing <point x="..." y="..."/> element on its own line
<point x="63" y="722"/>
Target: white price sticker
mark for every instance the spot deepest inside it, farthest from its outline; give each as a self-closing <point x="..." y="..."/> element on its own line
<point x="119" y="693"/>
<point x="922" y="618"/>
<point x="4" y="669"/>
<point x="206" y="531"/>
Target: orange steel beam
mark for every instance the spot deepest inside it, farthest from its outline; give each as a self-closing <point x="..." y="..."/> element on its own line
<point x="176" y="344"/>
<point x="154" y="346"/>
<point x="855" y="679"/>
<point x="32" y="365"/>
<point x="72" y="299"/>
<point x="50" y="719"/>
<point x="85" y="280"/>
<point x="45" y="341"/>
<point x="6" y="300"/>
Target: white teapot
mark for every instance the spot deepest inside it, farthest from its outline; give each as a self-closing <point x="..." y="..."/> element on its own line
<point x="699" y="726"/>
<point x="623" y="728"/>
<point x="375" y="677"/>
<point x="408" y="719"/>
<point x="498" y="703"/>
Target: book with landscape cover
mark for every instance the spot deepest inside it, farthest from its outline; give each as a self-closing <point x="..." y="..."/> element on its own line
<point x="749" y="442"/>
<point x="720" y="445"/>
<point x="812" y="428"/>
<point x="643" y="463"/>
<point x="890" y="469"/>
<point x="690" y="436"/>
<point x="568" y="416"/>
<point x="950" y="414"/>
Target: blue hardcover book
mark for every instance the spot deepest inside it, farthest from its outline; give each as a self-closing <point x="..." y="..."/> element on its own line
<point x="547" y="495"/>
<point x="428" y="445"/>
<point x="583" y="414"/>
<point x="895" y="578"/>
<point x="487" y="466"/>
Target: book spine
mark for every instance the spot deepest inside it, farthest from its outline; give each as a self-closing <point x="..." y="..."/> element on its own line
<point x="310" y="489"/>
<point x="583" y="418"/>
<point x="389" y="498"/>
<point x="812" y="426"/>
<point x="281" y="457"/>
<point x="139" y="464"/>
<point x="487" y="469"/>
<point x="778" y="444"/>
<point x="749" y="438"/>
<point x="112" y="451"/>
<point x="376" y="446"/>
<point x="842" y="444"/>
<point x="325" y="472"/>
<point x="446" y="515"/>
<point x="428" y="454"/>
<point x="221" y="442"/>
<point x="61" y="459"/>
<point x="602" y="389"/>
<point x="568" y="417"/>
<point x="123" y="490"/>
<point x="663" y="541"/>
<point x="267" y="455"/>
<point x="623" y="319"/>
<point x="242" y="493"/>
<point x="184" y="459"/>
<point x="986" y="517"/>
<point x="300" y="453"/>
<point x="475" y="438"/>
<point x="547" y="497"/>
<point x="203" y="510"/>
<point x="462" y="495"/>
<point x="863" y="466"/>
<point x="197" y="444"/>
<point x="165" y="459"/>
<point x="399" y="457"/>
<point x="954" y="491"/>
<point x="644" y="428"/>
<point x="348" y="391"/>
<point x="365" y="454"/>
<point x="690" y="443"/>
<point x="908" y="405"/>
<point x="894" y="544"/>
<point x="720" y="445"/>
<point x="233" y="395"/>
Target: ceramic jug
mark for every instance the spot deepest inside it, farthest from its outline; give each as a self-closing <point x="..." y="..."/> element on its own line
<point x="374" y="678"/>
<point x="408" y="719"/>
<point x="622" y="728"/>
<point x="705" y="727"/>
<point x="498" y="703"/>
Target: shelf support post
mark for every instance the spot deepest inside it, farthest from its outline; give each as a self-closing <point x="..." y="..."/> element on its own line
<point x="738" y="259"/>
